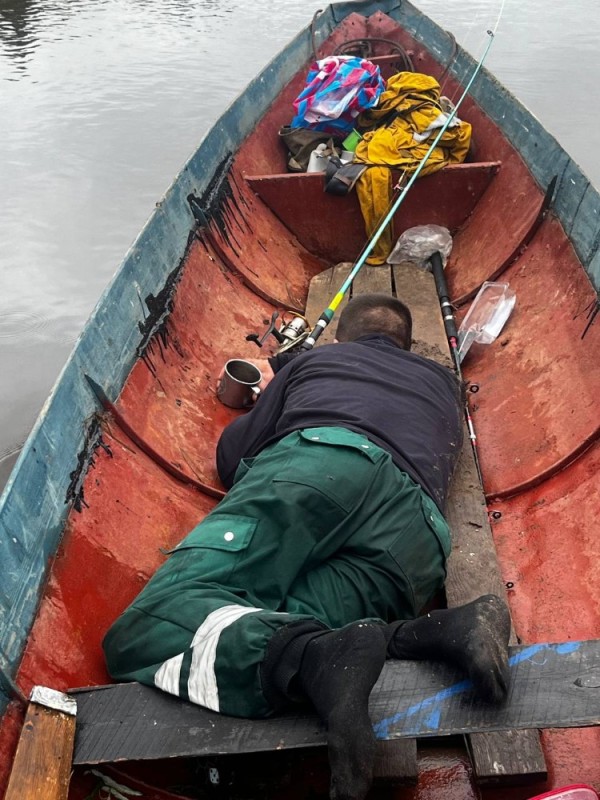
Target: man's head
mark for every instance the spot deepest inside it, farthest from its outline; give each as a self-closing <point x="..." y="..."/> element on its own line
<point x="375" y="313"/>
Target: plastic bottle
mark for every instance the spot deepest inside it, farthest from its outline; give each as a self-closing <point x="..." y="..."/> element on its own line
<point x="317" y="161"/>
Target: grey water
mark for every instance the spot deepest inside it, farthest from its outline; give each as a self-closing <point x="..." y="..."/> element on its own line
<point x="102" y="102"/>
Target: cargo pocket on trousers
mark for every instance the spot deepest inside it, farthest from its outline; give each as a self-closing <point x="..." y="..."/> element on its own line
<point x="216" y="545"/>
<point x="335" y="463"/>
<point x="420" y="552"/>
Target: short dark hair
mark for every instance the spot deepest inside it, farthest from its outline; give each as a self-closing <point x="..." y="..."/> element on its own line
<point x="376" y="313"/>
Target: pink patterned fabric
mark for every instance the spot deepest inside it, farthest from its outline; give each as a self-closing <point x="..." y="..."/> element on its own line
<point x="337" y="89"/>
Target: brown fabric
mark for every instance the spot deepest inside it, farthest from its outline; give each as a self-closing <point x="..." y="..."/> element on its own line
<point x="300" y="142"/>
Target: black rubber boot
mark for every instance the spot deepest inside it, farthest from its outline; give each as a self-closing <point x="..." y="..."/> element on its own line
<point x="473" y="637"/>
<point x="336" y="671"/>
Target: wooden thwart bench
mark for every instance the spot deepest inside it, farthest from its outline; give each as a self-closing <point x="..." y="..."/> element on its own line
<point x="552" y="685"/>
<point x="315" y="218"/>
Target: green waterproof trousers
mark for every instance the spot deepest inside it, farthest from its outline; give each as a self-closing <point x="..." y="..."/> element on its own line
<point x="319" y="526"/>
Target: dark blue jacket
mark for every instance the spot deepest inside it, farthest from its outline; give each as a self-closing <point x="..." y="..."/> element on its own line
<point x="408" y="405"/>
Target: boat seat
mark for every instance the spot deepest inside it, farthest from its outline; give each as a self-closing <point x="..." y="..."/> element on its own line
<point x="131" y="722"/>
<point x="311" y="214"/>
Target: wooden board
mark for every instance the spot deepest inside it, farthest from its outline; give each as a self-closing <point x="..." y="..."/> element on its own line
<point x="323" y="288"/>
<point x="473" y="565"/>
<point x="473" y="570"/>
<point x="396" y="761"/>
<point x="42" y="764"/>
<point x="415" y="287"/>
<point x="447" y="197"/>
<point x="552" y="685"/>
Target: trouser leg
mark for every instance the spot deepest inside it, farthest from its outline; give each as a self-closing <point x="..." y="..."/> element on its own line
<point x="206" y="618"/>
<point x="389" y="568"/>
<point x="201" y="626"/>
<point x="204" y="645"/>
<point x="336" y="670"/>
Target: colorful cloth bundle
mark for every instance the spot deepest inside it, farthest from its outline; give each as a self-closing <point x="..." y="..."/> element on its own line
<point x="337" y="89"/>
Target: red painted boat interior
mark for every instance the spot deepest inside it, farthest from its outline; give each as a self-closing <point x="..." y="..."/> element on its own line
<point x="536" y="416"/>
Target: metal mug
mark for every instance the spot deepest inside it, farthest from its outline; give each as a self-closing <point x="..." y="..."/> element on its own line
<point x="239" y="384"/>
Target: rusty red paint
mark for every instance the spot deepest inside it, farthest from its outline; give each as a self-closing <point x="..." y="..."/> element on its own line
<point x="539" y="385"/>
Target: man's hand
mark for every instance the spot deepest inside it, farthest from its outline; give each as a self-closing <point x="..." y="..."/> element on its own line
<point x="265" y="370"/>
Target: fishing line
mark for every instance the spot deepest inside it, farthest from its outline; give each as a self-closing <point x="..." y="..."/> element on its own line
<point x="329" y="312"/>
<point x="465" y="47"/>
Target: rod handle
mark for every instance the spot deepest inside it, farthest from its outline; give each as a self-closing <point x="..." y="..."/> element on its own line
<point x="437" y="267"/>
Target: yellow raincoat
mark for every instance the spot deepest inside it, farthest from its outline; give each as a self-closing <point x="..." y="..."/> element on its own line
<point x="410" y="115"/>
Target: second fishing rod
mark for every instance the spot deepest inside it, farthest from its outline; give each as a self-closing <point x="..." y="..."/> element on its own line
<point x="447" y="309"/>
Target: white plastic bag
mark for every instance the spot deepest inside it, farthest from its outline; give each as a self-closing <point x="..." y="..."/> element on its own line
<point x="417" y="245"/>
<point x="487" y="316"/>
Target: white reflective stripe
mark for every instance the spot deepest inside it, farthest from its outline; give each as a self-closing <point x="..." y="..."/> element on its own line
<point x="202" y="683"/>
<point x="167" y="675"/>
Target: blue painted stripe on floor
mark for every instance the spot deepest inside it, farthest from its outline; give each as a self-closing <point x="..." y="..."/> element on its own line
<point x="435" y="702"/>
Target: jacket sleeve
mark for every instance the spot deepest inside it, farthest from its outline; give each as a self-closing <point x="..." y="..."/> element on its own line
<point x="249" y="433"/>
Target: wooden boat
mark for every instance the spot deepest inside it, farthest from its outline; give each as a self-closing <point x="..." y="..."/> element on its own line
<point x="96" y="497"/>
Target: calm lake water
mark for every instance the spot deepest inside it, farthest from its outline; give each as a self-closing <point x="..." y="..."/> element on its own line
<point x="102" y="101"/>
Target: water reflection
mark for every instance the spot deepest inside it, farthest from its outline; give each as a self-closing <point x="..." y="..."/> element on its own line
<point x="18" y="42"/>
<point x="101" y="102"/>
<point x="22" y="22"/>
<point x="25" y="24"/>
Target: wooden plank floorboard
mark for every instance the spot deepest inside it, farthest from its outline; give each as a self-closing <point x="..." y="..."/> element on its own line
<point x="396" y="761"/>
<point x="323" y="288"/>
<point x="473" y="565"/>
<point x="472" y="571"/>
<point x="42" y="765"/>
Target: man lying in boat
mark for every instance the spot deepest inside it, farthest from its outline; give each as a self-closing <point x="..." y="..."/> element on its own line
<point x="331" y="539"/>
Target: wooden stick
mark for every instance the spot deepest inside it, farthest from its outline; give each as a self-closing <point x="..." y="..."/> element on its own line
<point x="42" y="765"/>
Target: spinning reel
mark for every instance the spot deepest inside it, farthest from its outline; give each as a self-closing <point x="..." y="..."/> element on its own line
<point x="292" y="331"/>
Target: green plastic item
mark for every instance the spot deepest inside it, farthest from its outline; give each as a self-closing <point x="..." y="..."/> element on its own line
<point x="351" y="141"/>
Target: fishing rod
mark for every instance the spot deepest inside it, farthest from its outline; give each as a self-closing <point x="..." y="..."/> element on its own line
<point x="447" y="309"/>
<point x="309" y="342"/>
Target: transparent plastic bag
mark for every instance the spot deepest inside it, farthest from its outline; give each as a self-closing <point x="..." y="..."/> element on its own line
<point x="417" y="244"/>
<point x="487" y="316"/>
